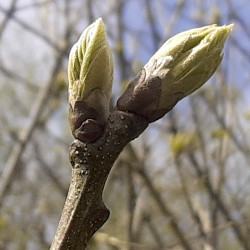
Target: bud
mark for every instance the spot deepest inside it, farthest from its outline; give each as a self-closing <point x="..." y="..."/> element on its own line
<point x="192" y="58"/>
<point x="181" y="66"/>
<point x="90" y="64"/>
<point x="90" y="73"/>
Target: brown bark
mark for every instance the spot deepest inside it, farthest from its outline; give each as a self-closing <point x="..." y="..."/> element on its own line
<point x="84" y="211"/>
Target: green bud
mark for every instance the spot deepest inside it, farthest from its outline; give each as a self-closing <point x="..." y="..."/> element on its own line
<point x="90" y="73"/>
<point x="181" y="66"/>
<point x="186" y="61"/>
<point x="90" y="65"/>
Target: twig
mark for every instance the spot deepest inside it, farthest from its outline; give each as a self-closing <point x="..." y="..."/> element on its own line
<point x="84" y="212"/>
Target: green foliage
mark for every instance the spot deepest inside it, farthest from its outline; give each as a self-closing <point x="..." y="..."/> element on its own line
<point x="183" y="142"/>
<point x="90" y="64"/>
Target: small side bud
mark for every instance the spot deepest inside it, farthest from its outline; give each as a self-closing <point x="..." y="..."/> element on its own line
<point x="181" y="66"/>
<point x="90" y="73"/>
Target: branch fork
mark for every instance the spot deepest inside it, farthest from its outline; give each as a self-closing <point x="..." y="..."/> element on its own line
<point x="84" y="211"/>
<point x="182" y="65"/>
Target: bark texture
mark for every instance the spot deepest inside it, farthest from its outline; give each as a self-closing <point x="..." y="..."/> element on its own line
<point x="84" y="211"/>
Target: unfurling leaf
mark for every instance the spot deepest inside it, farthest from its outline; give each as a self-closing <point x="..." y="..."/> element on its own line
<point x="90" y="73"/>
<point x="181" y="66"/>
<point x="90" y="64"/>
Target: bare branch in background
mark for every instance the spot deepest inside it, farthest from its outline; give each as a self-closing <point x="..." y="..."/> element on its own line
<point x="33" y="31"/>
<point x="8" y="17"/>
<point x="19" y="146"/>
<point x="89" y="4"/>
<point x="34" y="5"/>
<point x="157" y="198"/>
<point x="35" y="115"/>
<point x="13" y="75"/>
<point x="244" y="149"/>
<point x="50" y="173"/>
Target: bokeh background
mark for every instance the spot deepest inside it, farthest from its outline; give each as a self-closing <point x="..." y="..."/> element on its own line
<point x="183" y="184"/>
